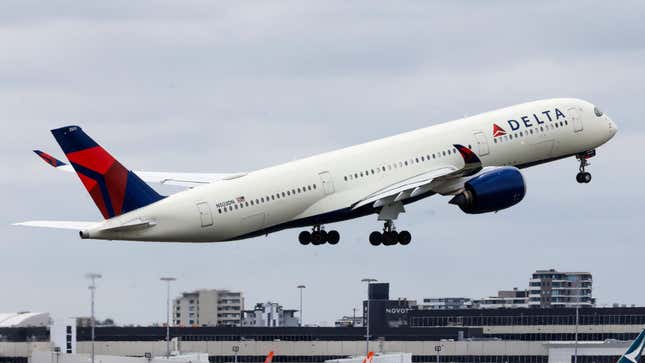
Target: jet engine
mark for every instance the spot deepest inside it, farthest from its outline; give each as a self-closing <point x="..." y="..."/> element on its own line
<point x="491" y="191"/>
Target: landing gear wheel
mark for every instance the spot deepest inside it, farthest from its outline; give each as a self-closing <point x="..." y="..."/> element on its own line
<point x="333" y="237"/>
<point x="317" y="238"/>
<point x="404" y="238"/>
<point x="389" y="238"/>
<point x="304" y="237"/>
<point x="376" y="238"/>
<point x="583" y="177"/>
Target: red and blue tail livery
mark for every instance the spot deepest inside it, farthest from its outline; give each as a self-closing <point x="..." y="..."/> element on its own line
<point x="114" y="189"/>
<point x="49" y="159"/>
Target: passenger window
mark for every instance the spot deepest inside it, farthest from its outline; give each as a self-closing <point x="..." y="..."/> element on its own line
<point x="495" y="141"/>
<point x="257" y="201"/>
<point x="417" y="159"/>
<point x="273" y="197"/>
<point x="220" y="211"/>
<point x="372" y="171"/>
<point x="236" y="206"/>
<point x="314" y="186"/>
<point x="521" y="134"/>
<point x="345" y="178"/>
<point x="510" y="137"/>
<point x="298" y="190"/>
<point x="383" y="168"/>
<point x="283" y="194"/>
<point x="444" y="153"/>
<point x="422" y="158"/>
<point x="251" y="203"/>
<point x="355" y="176"/>
<point x="406" y="163"/>
<point x="247" y="204"/>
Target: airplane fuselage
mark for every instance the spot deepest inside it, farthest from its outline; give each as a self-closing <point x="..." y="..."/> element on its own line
<point x="325" y="188"/>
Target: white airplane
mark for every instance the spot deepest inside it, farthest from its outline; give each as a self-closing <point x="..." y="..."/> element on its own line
<point x="476" y="160"/>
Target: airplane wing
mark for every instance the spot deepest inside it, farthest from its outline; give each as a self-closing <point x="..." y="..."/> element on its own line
<point x="423" y="183"/>
<point x="188" y="180"/>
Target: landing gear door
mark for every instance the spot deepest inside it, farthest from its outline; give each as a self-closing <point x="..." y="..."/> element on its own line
<point x="482" y="143"/>
<point x="205" y="214"/>
<point x="574" y="116"/>
<point x="327" y="182"/>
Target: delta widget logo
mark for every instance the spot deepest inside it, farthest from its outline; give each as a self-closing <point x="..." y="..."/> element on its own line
<point x="498" y="131"/>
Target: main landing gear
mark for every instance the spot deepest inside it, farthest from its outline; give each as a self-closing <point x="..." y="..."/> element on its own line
<point x="584" y="176"/>
<point x="318" y="236"/>
<point x="390" y="236"/>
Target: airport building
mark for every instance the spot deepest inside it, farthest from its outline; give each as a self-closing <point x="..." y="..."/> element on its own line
<point x="208" y="307"/>
<point x="446" y="303"/>
<point x="551" y="288"/>
<point x="508" y="335"/>
<point x="505" y="299"/>
<point x="269" y="314"/>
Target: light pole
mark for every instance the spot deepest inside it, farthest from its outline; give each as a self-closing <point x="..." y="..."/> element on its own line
<point x="168" y="280"/>
<point x="437" y="348"/>
<point x="300" y="287"/>
<point x="575" y="345"/>
<point x="93" y="276"/>
<point x="367" y="319"/>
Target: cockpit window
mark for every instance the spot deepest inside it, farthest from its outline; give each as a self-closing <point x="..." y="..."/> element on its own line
<point x="597" y="111"/>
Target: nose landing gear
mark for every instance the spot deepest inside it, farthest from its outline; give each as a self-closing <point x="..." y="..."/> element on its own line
<point x="583" y="176"/>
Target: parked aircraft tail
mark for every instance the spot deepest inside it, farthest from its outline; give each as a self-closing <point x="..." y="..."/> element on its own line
<point x="114" y="189"/>
<point x="634" y="351"/>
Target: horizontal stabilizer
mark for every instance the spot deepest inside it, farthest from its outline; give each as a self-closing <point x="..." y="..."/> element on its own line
<point x="77" y="225"/>
<point x="180" y="179"/>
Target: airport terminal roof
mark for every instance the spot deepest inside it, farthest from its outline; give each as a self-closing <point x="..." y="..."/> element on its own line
<point x="24" y="319"/>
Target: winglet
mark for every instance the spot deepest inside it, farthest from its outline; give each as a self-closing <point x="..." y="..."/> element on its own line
<point x="469" y="156"/>
<point x="49" y="159"/>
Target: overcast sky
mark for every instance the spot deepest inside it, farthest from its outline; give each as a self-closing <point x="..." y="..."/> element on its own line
<point x="228" y="86"/>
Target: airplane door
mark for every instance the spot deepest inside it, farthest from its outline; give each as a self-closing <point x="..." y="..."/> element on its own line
<point x="482" y="143"/>
<point x="327" y="182"/>
<point x="205" y="214"/>
<point x="574" y="115"/>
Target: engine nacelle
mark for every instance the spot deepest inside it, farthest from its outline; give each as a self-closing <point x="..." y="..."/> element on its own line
<point x="491" y="191"/>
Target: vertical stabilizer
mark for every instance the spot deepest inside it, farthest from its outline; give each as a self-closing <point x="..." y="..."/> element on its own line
<point x="114" y="189"/>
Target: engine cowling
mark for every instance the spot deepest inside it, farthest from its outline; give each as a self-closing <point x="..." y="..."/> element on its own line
<point x="491" y="191"/>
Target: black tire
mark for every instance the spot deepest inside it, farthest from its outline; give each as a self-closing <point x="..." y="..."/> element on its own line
<point x="333" y="237"/>
<point x="586" y="177"/>
<point x="389" y="238"/>
<point x="317" y="239"/>
<point x="579" y="178"/>
<point x="404" y="238"/>
<point x="376" y="238"/>
<point x="304" y="237"/>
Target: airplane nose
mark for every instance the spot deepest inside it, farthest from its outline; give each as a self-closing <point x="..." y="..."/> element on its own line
<point x="613" y="129"/>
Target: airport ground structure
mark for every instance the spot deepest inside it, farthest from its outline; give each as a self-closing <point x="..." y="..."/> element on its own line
<point x="519" y="335"/>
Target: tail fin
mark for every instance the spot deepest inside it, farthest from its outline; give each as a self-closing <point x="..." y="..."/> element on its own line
<point x="634" y="351"/>
<point x="114" y="189"/>
<point x="269" y="357"/>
